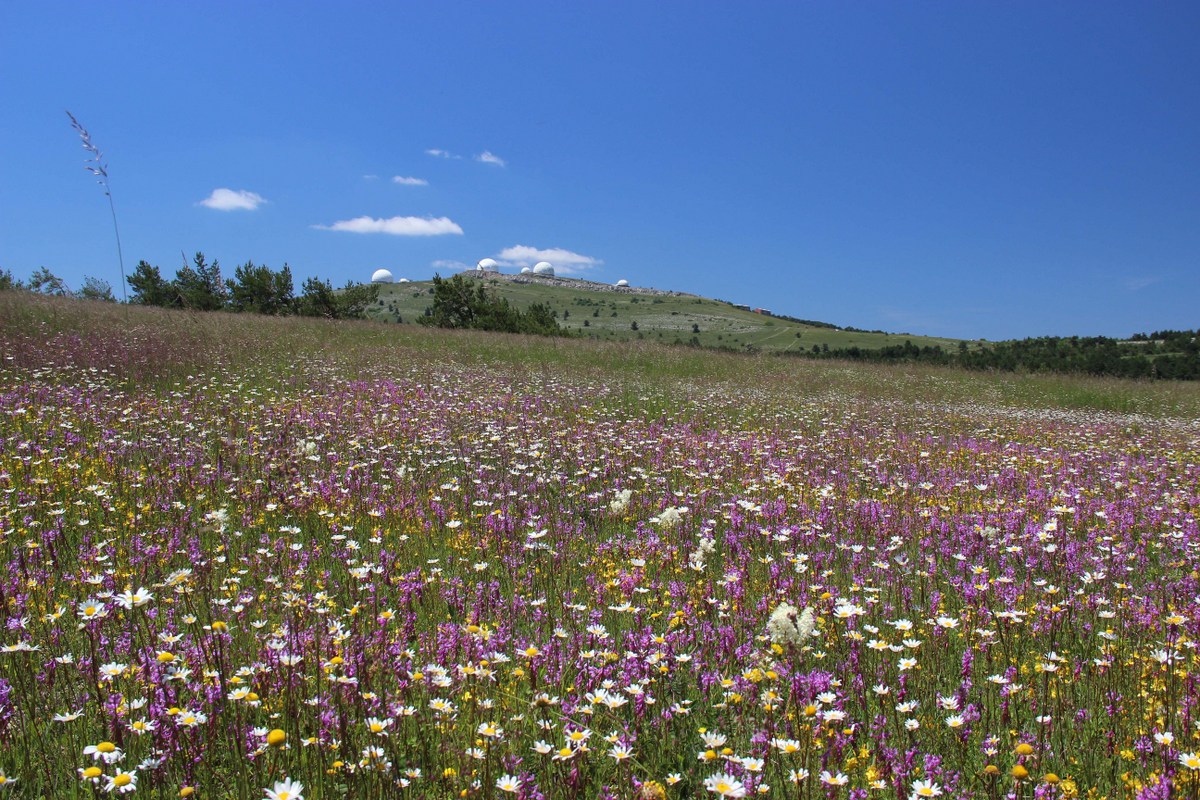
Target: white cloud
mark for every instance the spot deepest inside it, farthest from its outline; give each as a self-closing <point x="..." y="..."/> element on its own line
<point x="565" y="262"/>
<point x="229" y="200"/>
<point x="396" y="226"/>
<point x="488" y="157"/>
<point x="370" y="177"/>
<point x="403" y="181"/>
<point x="436" y="153"/>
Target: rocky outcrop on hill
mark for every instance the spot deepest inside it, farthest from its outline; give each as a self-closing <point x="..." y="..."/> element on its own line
<point x="573" y="283"/>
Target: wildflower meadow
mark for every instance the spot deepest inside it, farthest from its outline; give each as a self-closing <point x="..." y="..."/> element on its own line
<point x="288" y="559"/>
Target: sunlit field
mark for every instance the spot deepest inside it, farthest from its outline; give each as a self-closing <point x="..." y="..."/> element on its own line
<point x="280" y="558"/>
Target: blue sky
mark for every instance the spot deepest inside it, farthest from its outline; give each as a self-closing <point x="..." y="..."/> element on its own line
<point x="977" y="170"/>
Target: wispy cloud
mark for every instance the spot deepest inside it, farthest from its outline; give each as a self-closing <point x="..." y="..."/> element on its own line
<point x="396" y="226"/>
<point x="488" y="157"/>
<point x="403" y="181"/>
<point x="451" y="264"/>
<point x="1136" y="284"/>
<point x="565" y="262"/>
<point x="229" y="200"/>
<point x="370" y="177"/>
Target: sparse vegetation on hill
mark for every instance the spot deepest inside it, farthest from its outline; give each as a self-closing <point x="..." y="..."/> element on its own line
<point x="458" y="303"/>
<point x="605" y="313"/>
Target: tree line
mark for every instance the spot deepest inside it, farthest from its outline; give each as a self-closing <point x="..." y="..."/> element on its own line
<point x="1161" y="355"/>
<point x="200" y="286"/>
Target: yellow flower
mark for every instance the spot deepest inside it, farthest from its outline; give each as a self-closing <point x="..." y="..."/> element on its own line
<point x="1024" y="749"/>
<point x="276" y="737"/>
<point x="652" y="790"/>
<point x="1019" y="772"/>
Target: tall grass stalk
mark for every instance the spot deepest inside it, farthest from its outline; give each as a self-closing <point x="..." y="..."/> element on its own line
<point x="97" y="167"/>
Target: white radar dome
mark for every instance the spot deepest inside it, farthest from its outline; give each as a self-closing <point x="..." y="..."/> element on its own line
<point x="487" y="265"/>
<point x="381" y="276"/>
<point x="622" y="282"/>
<point x="543" y="268"/>
<point x="525" y="270"/>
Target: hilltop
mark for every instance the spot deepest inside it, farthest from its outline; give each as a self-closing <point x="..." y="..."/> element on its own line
<point x="610" y="313"/>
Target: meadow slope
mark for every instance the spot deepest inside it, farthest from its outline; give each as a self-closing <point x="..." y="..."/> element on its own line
<point x="248" y="555"/>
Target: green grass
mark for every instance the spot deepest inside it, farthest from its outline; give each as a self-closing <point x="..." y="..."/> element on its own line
<point x="146" y="343"/>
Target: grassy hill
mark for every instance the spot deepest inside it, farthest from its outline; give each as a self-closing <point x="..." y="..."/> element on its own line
<point x="606" y="313"/>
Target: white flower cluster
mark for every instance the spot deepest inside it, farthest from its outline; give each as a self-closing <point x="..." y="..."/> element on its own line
<point x="670" y="517"/>
<point x="621" y="501"/>
<point x="787" y="625"/>
<point x="696" y="559"/>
